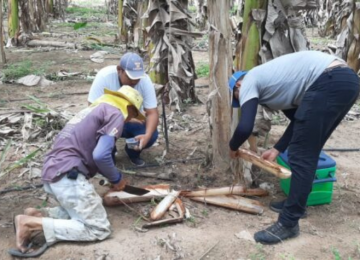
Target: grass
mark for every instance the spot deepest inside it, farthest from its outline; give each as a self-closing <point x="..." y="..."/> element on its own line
<point x="84" y="11"/>
<point x="259" y="254"/>
<point x="20" y="69"/>
<point x="202" y="70"/>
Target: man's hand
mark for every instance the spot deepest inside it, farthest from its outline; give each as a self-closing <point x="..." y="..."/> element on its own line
<point x="120" y="185"/>
<point x="143" y="140"/>
<point x="233" y="154"/>
<point x="270" y="155"/>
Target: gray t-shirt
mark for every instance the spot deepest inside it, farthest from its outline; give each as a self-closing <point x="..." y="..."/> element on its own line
<point x="108" y="78"/>
<point x="74" y="145"/>
<point x="281" y="83"/>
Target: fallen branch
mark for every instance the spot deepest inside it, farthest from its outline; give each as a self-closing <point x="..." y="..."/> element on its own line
<point x="163" y="222"/>
<point x="162" y="176"/>
<point x="36" y="186"/>
<point x="166" y="163"/>
<point x="268" y="166"/>
<point x="232" y="190"/>
<point x="39" y="43"/>
<point x="209" y="250"/>
<point x="233" y="202"/>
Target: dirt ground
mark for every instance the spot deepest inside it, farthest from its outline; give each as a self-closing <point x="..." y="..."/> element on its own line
<point x="329" y="232"/>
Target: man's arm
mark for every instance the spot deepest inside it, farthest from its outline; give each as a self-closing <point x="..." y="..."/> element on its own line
<point x="246" y="124"/>
<point x="152" y="120"/>
<point x="102" y="156"/>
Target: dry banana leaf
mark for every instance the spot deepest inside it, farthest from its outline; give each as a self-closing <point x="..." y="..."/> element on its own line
<point x="233" y="202"/>
<point x="268" y="166"/>
<point x="232" y="190"/>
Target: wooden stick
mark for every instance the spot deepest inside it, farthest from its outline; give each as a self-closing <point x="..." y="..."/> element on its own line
<point x="162" y="222"/>
<point x="268" y="166"/>
<point x="233" y="202"/>
<point x="232" y="190"/>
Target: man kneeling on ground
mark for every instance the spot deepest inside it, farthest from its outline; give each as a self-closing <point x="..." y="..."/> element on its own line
<point x="82" y="149"/>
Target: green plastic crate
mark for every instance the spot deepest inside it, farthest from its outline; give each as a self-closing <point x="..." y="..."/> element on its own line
<point x="322" y="189"/>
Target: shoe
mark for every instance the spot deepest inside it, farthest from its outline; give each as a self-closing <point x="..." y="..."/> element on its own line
<point x="276" y="233"/>
<point x="137" y="161"/>
<point x="277" y="207"/>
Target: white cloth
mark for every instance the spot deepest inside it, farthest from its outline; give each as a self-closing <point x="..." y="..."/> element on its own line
<point x="108" y="78"/>
<point x="80" y="216"/>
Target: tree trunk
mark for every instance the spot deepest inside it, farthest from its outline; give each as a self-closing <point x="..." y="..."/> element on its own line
<point x="158" y="59"/>
<point x="123" y="36"/>
<point x="348" y="42"/>
<point x="2" y="52"/>
<point x="50" y="6"/>
<point x="13" y="18"/>
<point x="139" y="28"/>
<point x="220" y="69"/>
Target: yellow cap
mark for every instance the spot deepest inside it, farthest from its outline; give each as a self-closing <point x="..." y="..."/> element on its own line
<point x="130" y="94"/>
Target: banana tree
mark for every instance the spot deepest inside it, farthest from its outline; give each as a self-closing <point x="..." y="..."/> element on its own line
<point x="348" y="41"/>
<point x="13" y="19"/>
<point x="170" y="54"/>
<point x="2" y="52"/>
<point x="220" y="56"/>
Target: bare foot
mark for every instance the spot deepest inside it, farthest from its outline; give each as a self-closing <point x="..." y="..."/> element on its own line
<point x="33" y="212"/>
<point x="22" y="233"/>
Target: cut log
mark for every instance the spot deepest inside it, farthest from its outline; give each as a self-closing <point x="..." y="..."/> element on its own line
<point x="38" y="43"/>
<point x="268" y="166"/>
<point x="233" y="202"/>
<point x="164" y="205"/>
<point x="232" y="190"/>
<point x="115" y="198"/>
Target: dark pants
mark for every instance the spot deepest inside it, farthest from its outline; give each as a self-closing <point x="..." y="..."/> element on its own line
<point x="323" y="107"/>
<point x="134" y="129"/>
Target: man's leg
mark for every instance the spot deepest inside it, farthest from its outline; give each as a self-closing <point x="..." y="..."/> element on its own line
<point x="134" y="129"/>
<point x="88" y="219"/>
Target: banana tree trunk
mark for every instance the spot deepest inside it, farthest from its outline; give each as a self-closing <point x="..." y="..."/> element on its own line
<point x="2" y="52"/>
<point x="348" y="42"/>
<point x="13" y="18"/>
<point x="50" y="6"/>
<point x="122" y="28"/>
<point x="157" y="49"/>
<point x="139" y="28"/>
<point x="247" y="51"/>
<point x="220" y="56"/>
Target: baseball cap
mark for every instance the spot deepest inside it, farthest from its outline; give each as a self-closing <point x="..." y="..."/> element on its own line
<point x="232" y="82"/>
<point x="133" y="65"/>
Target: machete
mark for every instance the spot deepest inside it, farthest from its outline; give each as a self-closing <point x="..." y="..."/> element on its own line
<point x="127" y="188"/>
